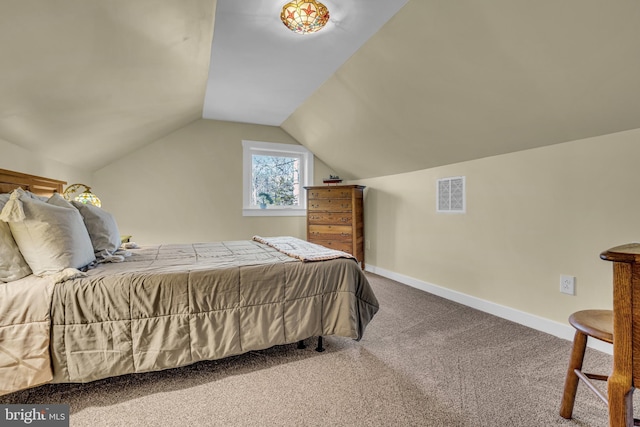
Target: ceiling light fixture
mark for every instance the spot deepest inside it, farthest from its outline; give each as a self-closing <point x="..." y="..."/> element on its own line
<point x="304" y="16"/>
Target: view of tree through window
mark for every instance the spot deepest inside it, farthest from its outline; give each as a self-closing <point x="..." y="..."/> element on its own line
<point x="276" y="180"/>
<point x="273" y="178"/>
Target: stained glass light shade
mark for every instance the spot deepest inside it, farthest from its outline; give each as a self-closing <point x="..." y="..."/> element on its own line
<point x="304" y="16"/>
<point x="88" y="197"/>
<point x="85" y="197"/>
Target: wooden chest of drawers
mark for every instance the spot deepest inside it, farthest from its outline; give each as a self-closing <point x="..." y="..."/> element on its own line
<point x="335" y="218"/>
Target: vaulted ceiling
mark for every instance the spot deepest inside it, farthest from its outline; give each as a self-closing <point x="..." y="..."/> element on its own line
<point x="425" y="83"/>
<point x="86" y="81"/>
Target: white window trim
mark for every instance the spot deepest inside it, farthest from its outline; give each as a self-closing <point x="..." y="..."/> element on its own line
<point x="258" y="147"/>
<point x="464" y="196"/>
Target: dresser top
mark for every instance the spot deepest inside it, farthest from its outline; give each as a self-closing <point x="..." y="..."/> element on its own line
<point x="313" y="187"/>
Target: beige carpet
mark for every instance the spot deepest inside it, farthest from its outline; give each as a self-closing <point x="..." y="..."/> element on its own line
<point x="423" y="361"/>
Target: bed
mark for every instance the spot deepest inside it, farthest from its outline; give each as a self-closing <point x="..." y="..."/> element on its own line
<point x="166" y="306"/>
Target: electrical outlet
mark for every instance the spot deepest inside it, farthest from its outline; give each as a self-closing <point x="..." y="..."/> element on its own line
<point x="568" y="285"/>
<point x="367" y="244"/>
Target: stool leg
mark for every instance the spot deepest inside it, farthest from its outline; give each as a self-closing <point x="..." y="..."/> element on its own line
<point x="571" y="381"/>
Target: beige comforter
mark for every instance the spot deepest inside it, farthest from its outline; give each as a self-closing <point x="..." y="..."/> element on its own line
<point x="172" y="305"/>
<point x="24" y="333"/>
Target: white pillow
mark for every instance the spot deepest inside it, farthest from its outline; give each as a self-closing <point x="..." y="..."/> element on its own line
<point x="57" y="200"/>
<point x="102" y="228"/>
<point x="12" y="264"/>
<point x="51" y="238"/>
<point x="35" y="196"/>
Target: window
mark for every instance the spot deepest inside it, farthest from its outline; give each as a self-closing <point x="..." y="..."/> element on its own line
<point x="451" y="195"/>
<point x="274" y="177"/>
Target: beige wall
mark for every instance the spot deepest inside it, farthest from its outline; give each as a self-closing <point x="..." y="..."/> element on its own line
<point x="15" y="158"/>
<point x="531" y="216"/>
<point x="187" y="187"/>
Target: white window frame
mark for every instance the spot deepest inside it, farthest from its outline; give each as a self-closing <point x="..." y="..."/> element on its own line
<point x="464" y="195"/>
<point x="249" y="148"/>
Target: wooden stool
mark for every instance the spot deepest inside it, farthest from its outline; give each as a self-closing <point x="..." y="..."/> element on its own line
<point x="588" y="323"/>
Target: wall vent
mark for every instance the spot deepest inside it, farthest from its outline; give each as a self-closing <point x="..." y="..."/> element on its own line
<point x="451" y="195"/>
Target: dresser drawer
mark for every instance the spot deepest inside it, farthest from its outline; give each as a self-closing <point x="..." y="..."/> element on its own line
<point x="332" y="205"/>
<point x="329" y="193"/>
<point x="336" y="244"/>
<point x="342" y="233"/>
<point x="333" y="218"/>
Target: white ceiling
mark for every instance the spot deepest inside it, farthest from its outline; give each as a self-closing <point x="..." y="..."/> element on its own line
<point x="261" y="71"/>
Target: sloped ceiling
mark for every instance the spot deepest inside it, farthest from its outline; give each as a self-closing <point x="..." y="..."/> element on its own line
<point x="85" y="81"/>
<point x="88" y="81"/>
<point x="448" y="81"/>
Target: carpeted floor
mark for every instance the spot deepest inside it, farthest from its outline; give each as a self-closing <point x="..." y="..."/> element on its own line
<point x="423" y="361"/>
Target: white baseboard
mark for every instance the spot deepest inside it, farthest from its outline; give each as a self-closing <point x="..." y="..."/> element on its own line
<point x="557" y="329"/>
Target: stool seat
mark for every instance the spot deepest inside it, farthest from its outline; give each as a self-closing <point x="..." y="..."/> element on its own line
<point x="594" y="323"/>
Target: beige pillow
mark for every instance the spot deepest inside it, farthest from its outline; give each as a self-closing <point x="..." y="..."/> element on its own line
<point x="51" y="238"/>
<point x="12" y="264"/>
<point x="102" y="228"/>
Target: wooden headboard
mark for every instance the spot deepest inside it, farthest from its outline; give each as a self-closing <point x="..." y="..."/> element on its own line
<point x="10" y="180"/>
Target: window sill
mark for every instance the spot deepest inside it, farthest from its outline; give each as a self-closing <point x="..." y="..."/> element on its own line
<point x="273" y="212"/>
